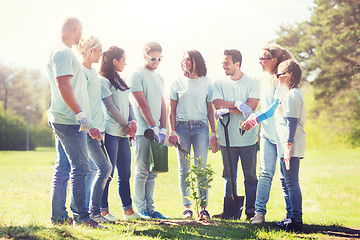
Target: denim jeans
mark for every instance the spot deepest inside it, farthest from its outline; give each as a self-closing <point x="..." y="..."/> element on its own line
<point x="120" y="156"/>
<point x="100" y="176"/>
<point x="268" y="156"/>
<point x="72" y="158"/>
<point x="195" y="133"/>
<point x="144" y="180"/>
<point x="291" y="189"/>
<point x="248" y="162"/>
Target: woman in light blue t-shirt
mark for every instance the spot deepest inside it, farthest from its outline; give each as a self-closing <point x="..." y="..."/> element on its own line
<point x="100" y="166"/>
<point x="191" y="110"/>
<point x="119" y="124"/>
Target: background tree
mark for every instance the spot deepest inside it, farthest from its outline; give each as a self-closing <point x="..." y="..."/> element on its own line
<point x="328" y="48"/>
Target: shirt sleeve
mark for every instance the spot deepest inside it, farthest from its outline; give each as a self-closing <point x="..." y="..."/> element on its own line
<point x="291" y="105"/>
<point x="210" y="95"/>
<point x="173" y="92"/>
<point x="105" y="88"/>
<point x="136" y="82"/>
<point x="217" y="91"/>
<point x="254" y="89"/>
<point x="63" y="64"/>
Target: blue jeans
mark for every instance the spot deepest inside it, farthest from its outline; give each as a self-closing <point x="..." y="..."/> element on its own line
<point x="268" y="156"/>
<point x="144" y="180"/>
<point x="197" y="134"/>
<point x="72" y="158"/>
<point x="100" y="176"/>
<point x="120" y="156"/>
<point x="291" y="189"/>
<point x="248" y="162"/>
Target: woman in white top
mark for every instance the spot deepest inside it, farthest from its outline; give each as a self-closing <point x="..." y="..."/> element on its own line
<point x="100" y="166"/>
<point x="191" y="110"/>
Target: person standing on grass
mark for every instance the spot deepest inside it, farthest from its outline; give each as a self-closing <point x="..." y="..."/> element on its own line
<point x="119" y="123"/>
<point x="239" y="95"/>
<point x="191" y="109"/>
<point x="290" y="140"/>
<point x="271" y="56"/>
<point x="147" y="87"/>
<point x="100" y="167"/>
<point x="68" y="119"/>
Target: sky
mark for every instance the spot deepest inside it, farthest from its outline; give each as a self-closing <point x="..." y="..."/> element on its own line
<point x="29" y="29"/>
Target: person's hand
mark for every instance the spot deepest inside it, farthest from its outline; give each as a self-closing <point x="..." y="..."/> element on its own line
<point x="220" y="112"/>
<point x="156" y="132"/>
<point x="173" y="138"/>
<point x="95" y="134"/>
<point x="287" y="154"/>
<point x="242" y="107"/>
<point x="250" y="123"/>
<point x="162" y="135"/>
<point x="214" y="142"/>
<point x="131" y="129"/>
<point x="84" y="123"/>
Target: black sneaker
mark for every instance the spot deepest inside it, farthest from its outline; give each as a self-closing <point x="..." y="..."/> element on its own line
<point x="290" y="225"/>
<point x="187" y="214"/>
<point x="205" y="214"/>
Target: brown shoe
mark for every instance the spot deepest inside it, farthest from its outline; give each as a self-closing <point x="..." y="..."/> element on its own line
<point x="219" y="216"/>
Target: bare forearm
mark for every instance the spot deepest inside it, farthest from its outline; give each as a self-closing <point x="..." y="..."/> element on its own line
<point x="67" y="93"/>
<point x="211" y="116"/>
<point x="219" y="103"/>
<point x="173" y="105"/>
<point x="163" y="114"/>
<point x="144" y="107"/>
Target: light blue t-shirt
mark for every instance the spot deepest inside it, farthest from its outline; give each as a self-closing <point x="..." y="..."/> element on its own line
<point x="121" y="101"/>
<point x="192" y="96"/>
<point x="152" y="84"/>
<point x="96" y="105"/>
<point x="293" y="106"/>
<point x="267" y="93"/>
<point x="240" y="90"/>
<point x="63" y="62"/>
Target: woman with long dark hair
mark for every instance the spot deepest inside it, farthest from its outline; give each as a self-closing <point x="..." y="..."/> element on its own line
<point x="119" y="123"/>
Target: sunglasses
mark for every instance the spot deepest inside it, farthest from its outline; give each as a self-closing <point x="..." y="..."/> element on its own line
<point x="153" y="59"/>
<point x="263" y="59"/>
<point x="279" y="74"/>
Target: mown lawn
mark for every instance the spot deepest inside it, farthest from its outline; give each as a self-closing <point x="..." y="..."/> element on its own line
<point x="330" y="183"/>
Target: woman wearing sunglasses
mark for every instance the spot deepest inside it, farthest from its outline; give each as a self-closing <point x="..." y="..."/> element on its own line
<point x="191" y="110"/>
<point x="271" y="56"/>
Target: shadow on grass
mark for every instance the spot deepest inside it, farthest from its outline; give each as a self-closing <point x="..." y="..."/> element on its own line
<point x="334" y="230"/>
<point x="33" y="232"/>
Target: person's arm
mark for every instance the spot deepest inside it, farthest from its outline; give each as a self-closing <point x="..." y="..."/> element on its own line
<point x="67" y="93"/>
<point x="163" y="114"/>
<point x="211" y="118"/>
<point x="173" y="138"/>
<point x="144" y="107"/>
<point x="131" y="113"/>
<point x="290" y="134"/>
<point x="114" y="111"/>
<point x="251" y="102"/>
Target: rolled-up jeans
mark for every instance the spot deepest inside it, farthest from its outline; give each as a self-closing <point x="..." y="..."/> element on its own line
<point x="247" y="156"/>
<point x="144" y="180"/>
<point x="195" y="133"/>
<point x="99" y="176"/>
<point x="72" y="158"/>
<point x="268" y="156"/>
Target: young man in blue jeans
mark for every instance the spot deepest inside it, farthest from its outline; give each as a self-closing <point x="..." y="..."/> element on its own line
<point x="147" y="87"/>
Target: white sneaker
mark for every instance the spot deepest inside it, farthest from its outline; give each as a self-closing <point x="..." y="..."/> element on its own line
<point x="133" y="216"/>
<point x="100" y="219"/>
<point x="110" y="217"/>
<point x="258" y="219"/>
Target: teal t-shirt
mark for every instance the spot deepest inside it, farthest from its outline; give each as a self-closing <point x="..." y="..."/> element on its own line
<point x="292" y="105"/>
<point x="63" y="62"/>
<point x="152" y="84"/>
<point x="240" y="90"/>
<point x="96" y="105"/>
<point x="121" y="101"/>
<point x="192" y="96"/>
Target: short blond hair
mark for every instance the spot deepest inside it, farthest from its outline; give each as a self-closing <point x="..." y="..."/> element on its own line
<point x="87" y="44"/>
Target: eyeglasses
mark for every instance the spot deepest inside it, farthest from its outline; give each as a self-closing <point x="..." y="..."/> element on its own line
<point x="153" y="59"/>
<point x="279" y="74"/>
<point x="263" y="59"/>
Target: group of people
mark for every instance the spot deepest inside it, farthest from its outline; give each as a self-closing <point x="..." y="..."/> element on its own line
<point x="91" y="112"/>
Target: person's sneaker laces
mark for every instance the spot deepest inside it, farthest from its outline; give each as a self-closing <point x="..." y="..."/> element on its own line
<point x="133" y="216"/>
<point x="89" y="223"/>
<point x="187" y="214"/>
<point x="258" y="219"/>
<point x="219" y="216"/>
<point x="144" y="215"/>
<point x="158" y="215"/>
<point x="205" y="214"/>
<point x="100" y="219"/>
<point x="110" y="217"/>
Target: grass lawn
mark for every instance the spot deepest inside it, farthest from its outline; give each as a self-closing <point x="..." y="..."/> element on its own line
<point x="330" y="183"/>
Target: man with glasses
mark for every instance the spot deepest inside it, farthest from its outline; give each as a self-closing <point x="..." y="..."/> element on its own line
<point x="147" y="87"/>
<point x="239" y="95"/>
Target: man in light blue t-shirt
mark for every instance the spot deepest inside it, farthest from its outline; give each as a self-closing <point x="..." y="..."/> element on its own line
<point x="147" y="87"/>
<point x="67" y="118"/>
<point x="239" y="96"/>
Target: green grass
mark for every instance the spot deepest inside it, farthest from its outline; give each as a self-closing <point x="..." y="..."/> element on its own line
<point x="330" y="183"/>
